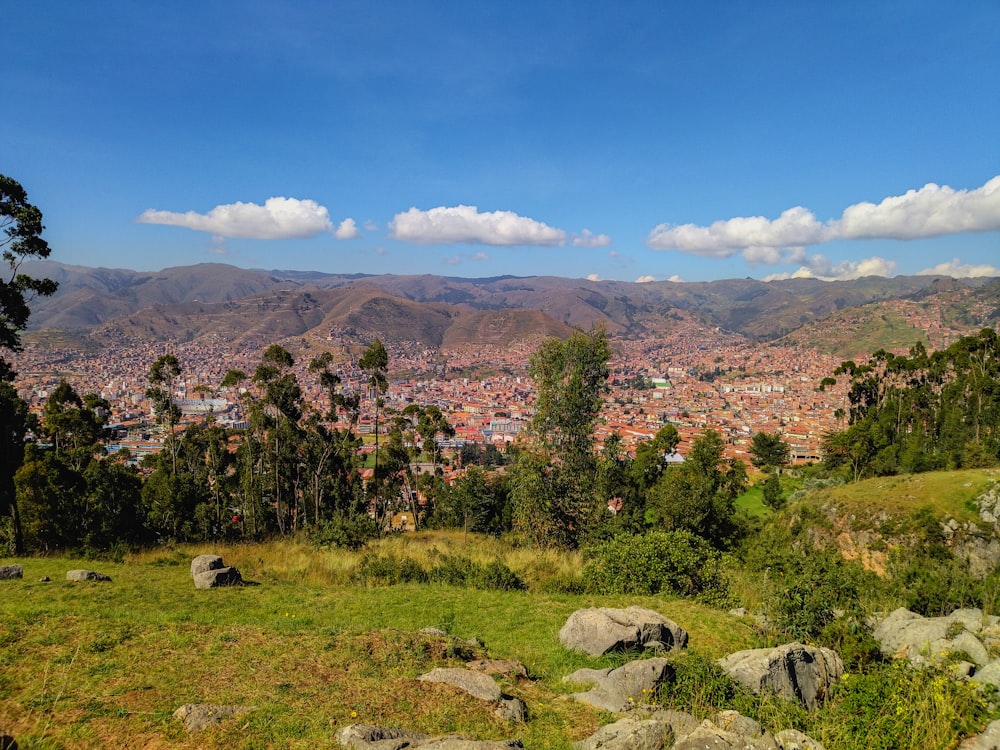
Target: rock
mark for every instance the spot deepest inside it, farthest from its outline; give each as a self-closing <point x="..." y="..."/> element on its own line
<point x="988" y="675"/>
<point x="199" y="716"/>
<point x="86" y="575"/>
<point x="217" y="577"/>
<point x="506" y="667"/>
<point x="366" y="737"/>
<point x="204" y="563"/>
<point x="7" y="742"/>
<point x="744" y="726"/>
<point x="10" y="572"/>
<point x="476" y="684"/>
<point x="708" y="736"/>
<point x="793" y="739"/>
<point x="907" y="635"/>
<point x="624" y="688"/>
<point x="598" y="630"/>
<point x="360" y="736"/>
<point x="630" y="734"/>
<point x="512" y="709"/>
<point x="793" y="670"/>
<point x="988" y="740"/>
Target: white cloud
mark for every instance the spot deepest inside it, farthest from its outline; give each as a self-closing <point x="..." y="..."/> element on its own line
<point x="347" y="230"/>
<point x="370" y="226"/>
<point x="479" y="256"/>
<point x="454" y="260"/>
<point x="645" y="279"/>
<point x="958" y="270"/>
<point x="465" y="224"/>
<point x="795" y="227"/>
<point x="278" y="218"/>
<point x="931" y="211"/>
<point x="586" y="238"/>
<point x="819" y="267"/>
<point x="593" y="277"/>
<point x="676" y="279"/>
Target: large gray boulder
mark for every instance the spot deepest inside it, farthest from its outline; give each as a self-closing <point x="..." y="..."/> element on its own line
<point x="624" y="688"/>
<point x="86" y="575"/>
<point x="988" y="675"/>
<point x="476" y="684"/>
<point x="630" y="734"/>
<point x="919" y="640"/>
<point x="10" y="572"/>
<point x="217" y="577"/>
<point x="793" y="739"/>
<point x="598" y="630"/>
<point x="204" y="563"/>
<point x="793" y="670"/>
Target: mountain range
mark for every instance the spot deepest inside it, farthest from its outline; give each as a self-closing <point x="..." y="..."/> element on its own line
<point x="218" y="302"/>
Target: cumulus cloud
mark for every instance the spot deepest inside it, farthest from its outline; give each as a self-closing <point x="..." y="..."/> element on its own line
<point x="820" y="267"/>
<point x="958" y="270"/>
<point x="593" y="277"/>
<point x="676" y="279"/>
<point x="931" y="211"/>
<point x="278" y="218"/>
<point x="645" y="279"/>
<point x="466" y="224"/>
<point x="347" y="230"/>
<point x="586" y="238"/>
<point x="370" y="226"/>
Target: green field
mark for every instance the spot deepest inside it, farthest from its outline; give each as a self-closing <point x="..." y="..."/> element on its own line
<point x="105" y="664"/>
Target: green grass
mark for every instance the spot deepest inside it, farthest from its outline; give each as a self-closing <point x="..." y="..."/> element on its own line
<point x="105" y="664"/>
<point x="946" y="493"/>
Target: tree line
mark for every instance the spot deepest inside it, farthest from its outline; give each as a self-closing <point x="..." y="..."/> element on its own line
<point x="921" y="412"/>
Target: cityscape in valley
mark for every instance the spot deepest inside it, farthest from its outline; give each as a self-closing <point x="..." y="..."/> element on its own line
<point x="689" y="372"/>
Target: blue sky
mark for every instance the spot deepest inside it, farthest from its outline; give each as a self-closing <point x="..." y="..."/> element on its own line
<point x="627" y="140"/>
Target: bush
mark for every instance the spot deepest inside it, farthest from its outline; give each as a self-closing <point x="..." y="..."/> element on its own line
<point x="676" y="562"/>
<point x="496" y="576"/>
<point x="455" y="570"/>
<point x="389" y="570"/>
<point x="345" y="531"/>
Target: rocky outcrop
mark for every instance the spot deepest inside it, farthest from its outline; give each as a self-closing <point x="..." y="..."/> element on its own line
<point x="199" y="716"/>
<point x="367" y="737"/>
<point x="624" y="688"/>
<point x="598" y="630"/>
<point x="923" y="640"/>
<point x="86" y="575"/>
<point x="10" y="572"/>
<point x="793" y="670"/>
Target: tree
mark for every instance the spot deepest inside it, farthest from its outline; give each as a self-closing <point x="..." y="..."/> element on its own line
<point x="554" y="484"/>
<point x="699" y="495"/>
<point x="571" y="377"/>
<point x="22" y="228"/>
<point x="375" y="362"/>
<point x="164" y="371"/>
<point x="769" y="451"/>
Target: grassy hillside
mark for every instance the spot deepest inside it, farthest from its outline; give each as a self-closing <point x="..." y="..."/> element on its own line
<point x="104" y="665"/>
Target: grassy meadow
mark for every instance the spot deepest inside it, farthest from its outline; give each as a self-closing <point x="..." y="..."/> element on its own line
<point x="310" y="648"/>
<point x="105" y="664"/>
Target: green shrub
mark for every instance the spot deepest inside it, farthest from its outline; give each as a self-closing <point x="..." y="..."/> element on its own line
<point x="344" y="531"/>
<point x="676" y="562"/>
<point x="388" y="570"/>
<point x="455" y="570"/>
<point x="496" y="576"/>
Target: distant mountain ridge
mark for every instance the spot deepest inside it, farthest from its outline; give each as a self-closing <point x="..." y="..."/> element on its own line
<point x="236" y="304"/>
